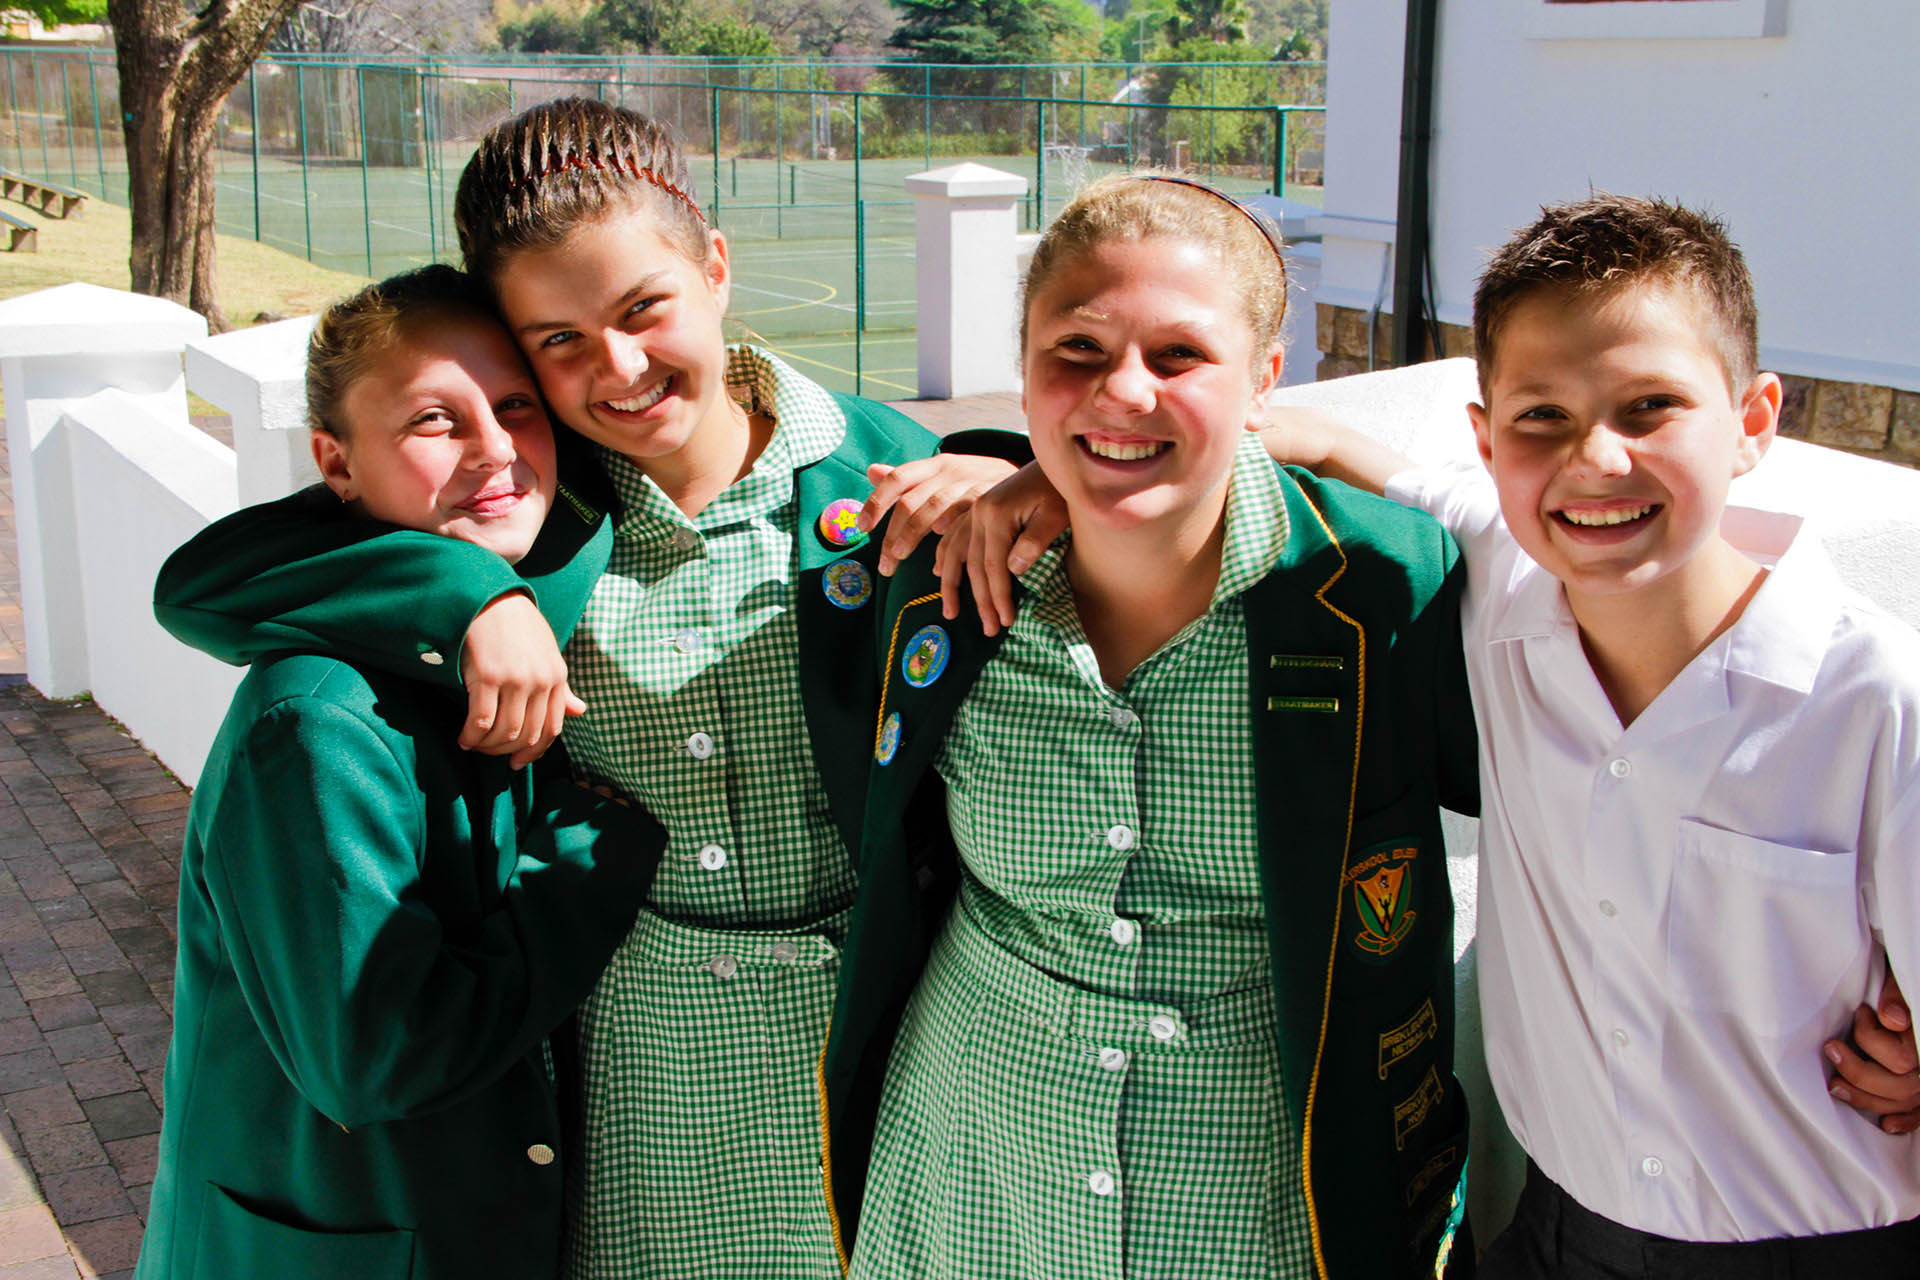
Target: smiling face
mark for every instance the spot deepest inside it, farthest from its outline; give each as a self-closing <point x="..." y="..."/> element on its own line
<point x="445" y="433"/>
<point x="1140" y="375"/>
<point x="1612" y="436"/>
<point x="624" y="332"/>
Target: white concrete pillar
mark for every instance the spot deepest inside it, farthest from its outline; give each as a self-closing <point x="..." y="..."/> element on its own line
<point x="259" y="376"/>
<point x="56" y="345"/>
<point x="966" y="228"/>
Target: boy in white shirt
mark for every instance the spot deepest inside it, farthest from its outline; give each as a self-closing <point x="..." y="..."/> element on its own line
<point x="1699" y="756"/>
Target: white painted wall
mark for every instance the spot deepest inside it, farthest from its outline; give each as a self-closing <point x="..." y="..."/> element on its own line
<point x="1803" y="142"/>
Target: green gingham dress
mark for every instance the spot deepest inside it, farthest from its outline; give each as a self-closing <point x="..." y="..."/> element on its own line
<point x="702" y="1151"/>
<point x="1086" y="1084"/>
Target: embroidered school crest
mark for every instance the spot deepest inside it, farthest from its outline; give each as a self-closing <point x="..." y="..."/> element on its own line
<point x="1383" y="884"/>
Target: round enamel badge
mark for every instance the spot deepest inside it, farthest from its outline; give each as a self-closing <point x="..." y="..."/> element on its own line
<point x="847" y="583"/>
<point x="837" y="527"/>
<point x="926" y="656"/>
<point x="889" y="743"/>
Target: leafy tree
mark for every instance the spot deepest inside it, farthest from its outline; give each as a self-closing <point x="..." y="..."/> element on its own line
<point x="834" y="28"/>
<point x="977" y="32"/>
<point x="727" y="38"/>
<point x="1295" y="29"/>
<point x="177" y="62"/>
<point x="1219" y="21"/>
<point x="60" y="13"/>
<point x="550" y="28"/>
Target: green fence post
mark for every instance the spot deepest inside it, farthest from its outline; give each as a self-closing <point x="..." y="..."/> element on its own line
<point x="429" y="84"/>
<point x="1280" y="151"/>
<point x="99" y="140"/>
<point x="66" y="96"/>
<point x="40" y="110"/>
<point x="734" y="177"/>
<point x="926" y="99"/>
<point x="713" y="120"/>
<point x="13" y="111"/>
<point x="1039" y="163"/>
<point x="253" y="107"/>
<point x="859" y="257"/>
<point x="779" y="150"/>
<point x="306" y="201"/>
<point x="366" y="196"/>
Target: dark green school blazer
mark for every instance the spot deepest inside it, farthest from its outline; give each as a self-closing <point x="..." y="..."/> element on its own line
<point x="273" y="577"/>
<point x="377" y="933"/>
<point x="1363" y="729"/>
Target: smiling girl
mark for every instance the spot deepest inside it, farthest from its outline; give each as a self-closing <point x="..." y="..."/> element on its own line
<point x="1190" y="1011"/>
<point x="378" y="930"/>
<point x="725" y="658"/>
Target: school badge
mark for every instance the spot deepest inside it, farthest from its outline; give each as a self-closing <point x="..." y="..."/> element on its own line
<point x="888" y="743"/>
<point x="1383" y="884"/>
<point x="847" y="583"/>
<point x="925" y="657"/>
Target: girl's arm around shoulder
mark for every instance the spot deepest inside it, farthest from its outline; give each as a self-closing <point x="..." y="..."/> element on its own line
<point x="379" y="997"/>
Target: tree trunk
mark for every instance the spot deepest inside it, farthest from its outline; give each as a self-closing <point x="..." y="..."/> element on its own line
<point x="177" y="67"/>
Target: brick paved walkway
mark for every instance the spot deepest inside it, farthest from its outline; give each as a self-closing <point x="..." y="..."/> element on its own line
<point x="90" y="830"/>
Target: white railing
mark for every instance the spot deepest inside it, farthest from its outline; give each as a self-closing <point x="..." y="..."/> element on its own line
<point x="109" y="475"/>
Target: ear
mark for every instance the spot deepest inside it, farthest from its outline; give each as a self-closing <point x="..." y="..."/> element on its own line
<point x="718" y="269"/>
<point x="1759" y="419"/>
<point x="1267" y="372"/>
<point x="336" y="465"/>
<point x="1482" y="432"/>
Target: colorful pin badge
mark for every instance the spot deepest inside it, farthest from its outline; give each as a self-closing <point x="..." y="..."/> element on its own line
<point x="847" y="583"/>
<point x="889" y="743"/>
<point x="926" y="656"/>
<point x="837" y="527"/>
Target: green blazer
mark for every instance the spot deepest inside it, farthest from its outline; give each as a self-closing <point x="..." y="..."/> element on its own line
<point x="1363" y="728"/>
<point x="272" y="577"/>
<point x="377" y="933"/>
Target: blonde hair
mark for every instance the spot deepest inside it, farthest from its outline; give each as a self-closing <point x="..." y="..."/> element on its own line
<point x="1154" y="205"/>
<point x="559" y="166"/>
<point x="357" y="332"/>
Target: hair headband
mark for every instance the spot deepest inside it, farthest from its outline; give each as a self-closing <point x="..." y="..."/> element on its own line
<point x="629" y="166"/>
<point x="1259" y="223"/>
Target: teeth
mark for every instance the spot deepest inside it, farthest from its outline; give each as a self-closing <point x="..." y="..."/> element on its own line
<point x="642" y="402"/>
<point x="1125" y="452"/>
<point x="1601" y="519"/>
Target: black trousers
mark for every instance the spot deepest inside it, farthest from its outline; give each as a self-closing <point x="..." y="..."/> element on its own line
<point x="1553" y="1238"/>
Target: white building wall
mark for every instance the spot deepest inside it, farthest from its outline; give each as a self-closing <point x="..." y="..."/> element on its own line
<point x="1803" y="142"/>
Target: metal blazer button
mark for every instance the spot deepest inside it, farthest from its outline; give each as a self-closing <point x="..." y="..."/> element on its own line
<point x="540" y="1153"/>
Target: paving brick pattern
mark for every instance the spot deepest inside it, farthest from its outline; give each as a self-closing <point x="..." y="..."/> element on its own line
<point x="90" y="831"/>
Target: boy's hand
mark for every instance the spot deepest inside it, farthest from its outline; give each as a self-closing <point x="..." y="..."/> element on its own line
<point x="930" y="494"/>
<point x="517" y="694"/>
<point x="1879" y="1073"/>
<point x="983" y="545"/>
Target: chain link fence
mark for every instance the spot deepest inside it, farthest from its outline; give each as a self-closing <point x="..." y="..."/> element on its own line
<point x="353" y="165"/>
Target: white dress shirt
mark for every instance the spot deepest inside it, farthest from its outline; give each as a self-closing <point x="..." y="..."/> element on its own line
<point x="1675" y="916"/>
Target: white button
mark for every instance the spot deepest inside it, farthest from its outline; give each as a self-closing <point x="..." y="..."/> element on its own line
<point x="1620" y="1037"/>
<point x="687" y="641"/>
<point x="1162" y="1028"/>
<point x="1620" y="768"/>
<point x="431" y="658"/>
<point x="1652" y="1167"/>
<point x="700" y="746"/>
<point x="785" y="952"/>
<point x="685" y="538"/>
<point x="1120" y="837"/>
<point x="1122" y="718"/>
<point x="712" y="857"/>
<point x="540" y="1153"/>
<point x="1607" y="908"/>
<point x="1100" y="1182"/>
<point x="1113" y="1059"/>
<point x="722" y="966"/>
<point x="1122" y="931"/>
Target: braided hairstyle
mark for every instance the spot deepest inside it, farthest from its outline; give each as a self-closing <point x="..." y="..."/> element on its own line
<point x="562" y="165"/>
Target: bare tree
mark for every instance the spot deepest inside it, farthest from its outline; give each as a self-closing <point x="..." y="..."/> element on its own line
<point x="177" y="64"/>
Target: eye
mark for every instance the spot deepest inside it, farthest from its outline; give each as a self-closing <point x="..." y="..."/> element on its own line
<point x="1655" y="404"/>
<point x="518" y="404"/>
<point x="557" y="338"/>
<point x="1539" y="416"/>
<point x="1182" y="353"/>
<point x="428" y="422"/>
<point x="1077" y="348"/>
<point x="643" y="305"/>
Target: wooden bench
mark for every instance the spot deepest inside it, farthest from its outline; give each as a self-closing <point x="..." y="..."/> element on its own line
<point x="49" y="198"/>
<point x="21" y="235"/>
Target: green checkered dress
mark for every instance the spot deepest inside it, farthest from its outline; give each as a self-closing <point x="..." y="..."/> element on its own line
<point x="1087" y="1082"/>
<point x="702" y="1150"/>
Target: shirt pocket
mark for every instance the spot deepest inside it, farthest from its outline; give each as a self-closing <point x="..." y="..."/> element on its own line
<point x="1760" y="931"/>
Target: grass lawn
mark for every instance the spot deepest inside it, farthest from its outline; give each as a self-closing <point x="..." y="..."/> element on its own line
<point x="252" y="278"/>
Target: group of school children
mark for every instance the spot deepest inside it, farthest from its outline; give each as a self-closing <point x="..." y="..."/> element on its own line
<point x="1100" y="928"/>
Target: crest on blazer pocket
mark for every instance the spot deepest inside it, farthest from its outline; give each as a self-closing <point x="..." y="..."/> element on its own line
<point x="1383" y="878"/>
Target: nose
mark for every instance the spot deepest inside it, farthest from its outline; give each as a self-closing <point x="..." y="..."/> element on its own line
<point x="489" y="445"/>
<point x="623" y="356"/>
<point x="1603" y="451"/>
<point x="1129" y="386"/>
